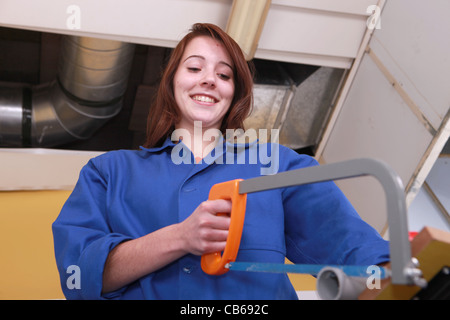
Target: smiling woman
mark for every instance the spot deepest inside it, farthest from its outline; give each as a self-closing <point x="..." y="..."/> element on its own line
<point x="138" y="222"/>
<point x="165" y="113"/>
<point x="203" y="85"/>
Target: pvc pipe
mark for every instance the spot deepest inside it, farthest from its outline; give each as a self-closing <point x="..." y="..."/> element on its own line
<point x="334" y="284"/>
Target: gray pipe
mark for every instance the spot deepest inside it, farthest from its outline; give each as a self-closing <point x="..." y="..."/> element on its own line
<point x="92" y="78"/>
<point x="334" y="284"/>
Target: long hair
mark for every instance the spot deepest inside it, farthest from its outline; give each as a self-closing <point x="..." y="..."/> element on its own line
<point x="164" y="112"/>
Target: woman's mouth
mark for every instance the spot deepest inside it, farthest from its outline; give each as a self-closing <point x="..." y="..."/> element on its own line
<point x="205" y="99"/>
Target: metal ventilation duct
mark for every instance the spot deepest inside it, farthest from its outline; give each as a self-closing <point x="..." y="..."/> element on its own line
<point x="298" y="109"/>
<point x="91" y="81"/>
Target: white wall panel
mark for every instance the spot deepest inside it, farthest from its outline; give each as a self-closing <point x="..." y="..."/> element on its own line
<point x="155" y="22"/>
<point x="319" y="32"/>
<point x="439" y="181"/>
<point x="397" y="108"/>
<point x="416" y="51"/>
<point x="432" y="204"/>
<point x="41" y="169"/>
<point x="375" y="123"/>
<point x="358" y="7"/>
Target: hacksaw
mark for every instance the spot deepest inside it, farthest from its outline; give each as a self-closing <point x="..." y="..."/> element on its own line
<point x="403" y="270"/>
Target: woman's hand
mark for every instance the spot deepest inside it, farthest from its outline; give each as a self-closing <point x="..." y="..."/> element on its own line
<point x="204" y="231"/>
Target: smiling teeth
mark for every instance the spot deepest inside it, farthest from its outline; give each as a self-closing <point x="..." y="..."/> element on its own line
<point x="204" y="99"/>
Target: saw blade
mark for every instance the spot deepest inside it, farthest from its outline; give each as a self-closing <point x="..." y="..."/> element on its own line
<point x="312" y="269"/>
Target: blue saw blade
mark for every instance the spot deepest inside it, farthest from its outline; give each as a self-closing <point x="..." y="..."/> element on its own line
<point x="312" y="269"/>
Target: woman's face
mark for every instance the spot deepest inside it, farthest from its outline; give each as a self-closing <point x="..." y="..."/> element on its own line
<point x="203" y="83"/>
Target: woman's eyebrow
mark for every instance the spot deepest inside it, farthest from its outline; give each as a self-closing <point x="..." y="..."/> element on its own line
<point x="203" y="58"/>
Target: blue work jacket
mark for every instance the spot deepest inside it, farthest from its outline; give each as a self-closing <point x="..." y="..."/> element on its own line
<point x="126" y="194"/>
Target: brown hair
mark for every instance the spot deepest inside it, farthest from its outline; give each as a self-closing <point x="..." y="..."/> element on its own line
<point x="164" y="112"/>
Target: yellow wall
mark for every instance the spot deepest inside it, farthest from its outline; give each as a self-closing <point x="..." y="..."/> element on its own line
<point x="302" y="282"/>
<point x="28" y="268"/>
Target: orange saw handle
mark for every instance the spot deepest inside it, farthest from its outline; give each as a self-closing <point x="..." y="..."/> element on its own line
<point x="214" y="263"/>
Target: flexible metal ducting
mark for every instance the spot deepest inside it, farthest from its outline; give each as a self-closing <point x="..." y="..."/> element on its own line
<point x="92" y="78"/>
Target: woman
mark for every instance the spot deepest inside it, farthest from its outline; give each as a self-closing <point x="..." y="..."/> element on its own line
<point x="137" y="223"/>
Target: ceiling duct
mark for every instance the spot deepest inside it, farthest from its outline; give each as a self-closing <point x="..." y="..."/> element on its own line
<point x="297" y="102"/>
<point x="92" y="78"/>
<point x="93" y="75"/>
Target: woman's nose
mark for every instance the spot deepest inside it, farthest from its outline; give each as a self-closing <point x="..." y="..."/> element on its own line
<point x="208" y="80"/>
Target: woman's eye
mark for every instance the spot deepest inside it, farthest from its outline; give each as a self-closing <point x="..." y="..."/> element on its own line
<point x="224" y="76"/>
<point x="193" y="69"/>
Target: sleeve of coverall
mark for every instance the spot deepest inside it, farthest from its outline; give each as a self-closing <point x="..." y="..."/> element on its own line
<point x="82" y="237"/>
